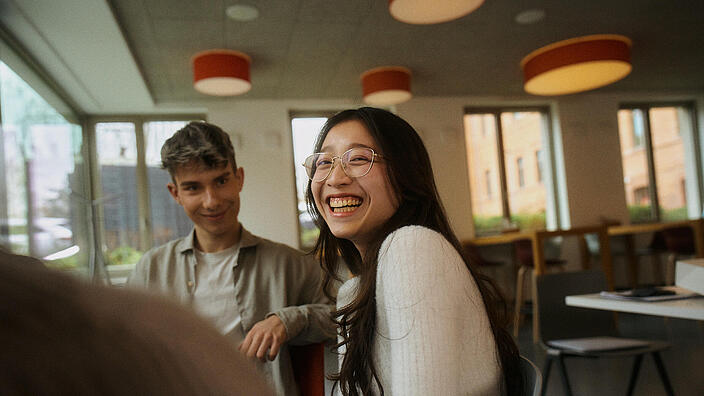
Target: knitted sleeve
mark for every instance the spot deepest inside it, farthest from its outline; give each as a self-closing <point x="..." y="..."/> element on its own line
<point x="433" y="335"/>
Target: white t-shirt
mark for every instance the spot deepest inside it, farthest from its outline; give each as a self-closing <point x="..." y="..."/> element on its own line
<point x="214" y="294"/>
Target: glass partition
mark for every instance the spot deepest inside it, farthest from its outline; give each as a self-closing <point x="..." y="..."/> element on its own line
<point x="43" y="205"/>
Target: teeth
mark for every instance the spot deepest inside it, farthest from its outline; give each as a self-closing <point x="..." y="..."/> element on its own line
<point x="344" y="209"/>
<point x="344" y="202"/>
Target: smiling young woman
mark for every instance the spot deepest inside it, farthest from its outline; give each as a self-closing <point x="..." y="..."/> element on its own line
<point x="416" y="318"/>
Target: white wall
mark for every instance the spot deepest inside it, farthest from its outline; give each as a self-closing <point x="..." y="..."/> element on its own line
<point x="588" y="126"/>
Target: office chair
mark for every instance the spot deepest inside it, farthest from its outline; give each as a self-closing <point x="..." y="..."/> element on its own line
<point x="524" y="256"/>
<point x="564" y="325"/>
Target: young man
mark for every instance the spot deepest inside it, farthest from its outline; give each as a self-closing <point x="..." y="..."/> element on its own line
<point x="261" y="294"/>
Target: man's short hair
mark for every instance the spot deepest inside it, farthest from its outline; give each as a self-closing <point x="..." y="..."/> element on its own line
<point x="198" y="143"/>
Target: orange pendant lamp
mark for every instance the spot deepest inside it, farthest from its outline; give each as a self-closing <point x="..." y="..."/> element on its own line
<point x="386" y="85"/>
<point x="423" y="12"/>
<point x="577" y="65"/>
<point x="221" y="72"/>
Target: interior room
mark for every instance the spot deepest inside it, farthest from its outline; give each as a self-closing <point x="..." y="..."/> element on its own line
<point x="586" y="176"/>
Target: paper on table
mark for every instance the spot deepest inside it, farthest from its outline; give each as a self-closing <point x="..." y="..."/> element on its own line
<point x="679" y="293"/>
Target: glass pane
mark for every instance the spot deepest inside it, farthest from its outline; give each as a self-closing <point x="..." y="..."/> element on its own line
<point x="42" y="205"/>
<point x="523" y="137"/>
<point x="167" y="217"/>
<point x="117" y="159"/>
<point x="304" y="130"/>
<point x="482" y="162"/>
<point x="669" y="156"/>
<point x="631" y="127"/>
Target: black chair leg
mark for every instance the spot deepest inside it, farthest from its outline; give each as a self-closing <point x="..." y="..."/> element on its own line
<point x="634" y="374"/>
<point x="546" y="374"/>
<point x="563" y="373"/>
<point x="663" y="374"/>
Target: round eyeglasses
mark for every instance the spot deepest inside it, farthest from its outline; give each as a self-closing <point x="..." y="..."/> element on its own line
<point x="356" y="162"/>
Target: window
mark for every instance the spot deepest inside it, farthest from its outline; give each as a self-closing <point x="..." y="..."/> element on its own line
<point x="519" y="169"/>
<point x="304" y="131"/>
<point x="511" y="136"/>
<point x="641" y="196"/>
<point x="43" y="204"/>
<point x="135" y="209"/>
<point x="638" y="127"/>
<point x="80" y="199"/>
<point x="661" y="180"/>
<point x="168" y="219"/>
<point x="487" y="180"/>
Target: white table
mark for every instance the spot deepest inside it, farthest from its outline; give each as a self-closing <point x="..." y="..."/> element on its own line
<point x="690" y="308"/>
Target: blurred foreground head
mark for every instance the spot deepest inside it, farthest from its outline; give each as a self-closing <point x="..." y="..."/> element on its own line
<point x="60" y="336"/>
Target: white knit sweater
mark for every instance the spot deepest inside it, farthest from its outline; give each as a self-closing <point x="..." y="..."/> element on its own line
<point x="433" y="335"/>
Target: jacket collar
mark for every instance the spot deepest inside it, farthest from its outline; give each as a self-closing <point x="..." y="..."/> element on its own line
<point x="247" y="239"/>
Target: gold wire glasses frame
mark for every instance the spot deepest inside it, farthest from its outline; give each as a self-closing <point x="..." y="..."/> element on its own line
<point x="356" y="162"/>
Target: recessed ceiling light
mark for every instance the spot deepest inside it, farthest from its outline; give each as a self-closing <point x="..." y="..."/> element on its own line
<point x="529" y="16"/>
<point x="242" y="12"/>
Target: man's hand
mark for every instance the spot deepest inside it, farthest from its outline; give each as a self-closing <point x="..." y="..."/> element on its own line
<point x="267" y="335"/>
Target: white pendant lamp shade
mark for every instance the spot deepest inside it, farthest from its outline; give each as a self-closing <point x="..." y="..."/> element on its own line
<point x="386" y="85"/>
<point x="577" y="65"/>
<point x="221" y="72"/>
<point x="423" y="12"/>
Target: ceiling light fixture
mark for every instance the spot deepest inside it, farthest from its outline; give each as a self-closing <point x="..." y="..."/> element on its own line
<point x="386" y="85"/>
<point x="529" y="17"/>
<point x="423" y="12"/>
<point x="242" y="12"/>
<point x="576" y="65"/>
<point x="221" y="72"/>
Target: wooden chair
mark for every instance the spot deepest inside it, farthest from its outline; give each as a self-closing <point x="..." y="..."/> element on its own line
<point x="308" y="363"/>
<point x="473" y="253"/>
<point x="619" y="246"/>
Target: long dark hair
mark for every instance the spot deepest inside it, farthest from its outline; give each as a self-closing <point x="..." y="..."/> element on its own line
<point x="411" y="177"/>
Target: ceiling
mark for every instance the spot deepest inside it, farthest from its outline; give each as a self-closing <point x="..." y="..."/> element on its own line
<point x="134" y="55"/>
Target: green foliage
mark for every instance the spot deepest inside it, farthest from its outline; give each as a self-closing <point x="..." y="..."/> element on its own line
<point x="64" y="263"/>
<point x="641" y="214"/>
<point x="674" y="214"/>
<point x="485" y="225"/>
<point x="529" y="221"/>
<point x="123" y="255"/>
<point x="309" y="237"/>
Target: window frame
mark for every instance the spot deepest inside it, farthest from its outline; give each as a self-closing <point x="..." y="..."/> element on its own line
<point x="695" y="140"/>
<point x="551" y="193"/>
<point x="141" y="177"/>
<point x="302" y="114"/>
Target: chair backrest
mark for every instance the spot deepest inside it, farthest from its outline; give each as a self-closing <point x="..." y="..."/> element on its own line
<point x="533" y="377"/>
<point x="679" y="240"/>
<point x="308" y="363"/>
<point x="559" y="321"/>
<point x="524" y="252"/>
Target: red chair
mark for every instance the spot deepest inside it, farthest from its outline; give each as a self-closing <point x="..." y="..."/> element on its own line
<point x="308" y="363"/>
